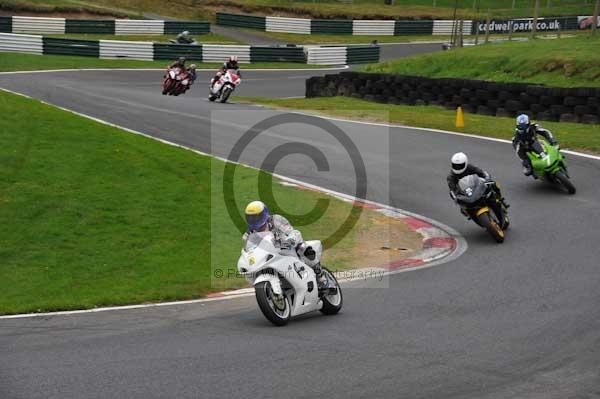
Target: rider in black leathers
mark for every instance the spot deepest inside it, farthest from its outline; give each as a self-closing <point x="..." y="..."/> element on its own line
<point x="524" y="139"/>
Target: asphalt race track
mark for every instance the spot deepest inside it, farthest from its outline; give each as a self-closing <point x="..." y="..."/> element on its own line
<point x="517" y="320"/>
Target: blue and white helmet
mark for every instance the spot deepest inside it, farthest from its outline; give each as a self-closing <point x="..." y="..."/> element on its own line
<point x="522" y="122"/>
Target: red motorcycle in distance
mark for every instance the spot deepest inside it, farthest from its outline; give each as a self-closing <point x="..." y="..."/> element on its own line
<point x="177" y="81"/>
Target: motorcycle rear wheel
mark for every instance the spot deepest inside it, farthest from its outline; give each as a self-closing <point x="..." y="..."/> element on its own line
<point x="332" y="304"/>
<point x="562" y="178"/>
<point x="492" y="227"/>
<point x="278" y="314"/>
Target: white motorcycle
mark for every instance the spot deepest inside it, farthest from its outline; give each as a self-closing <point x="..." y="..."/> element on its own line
<point x="285" y="285"/>
<point x="222" y="88"/>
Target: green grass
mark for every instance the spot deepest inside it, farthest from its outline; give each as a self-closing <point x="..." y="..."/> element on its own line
<point x="368" y="9"/>
<point x="28" y="62"/>
<point x="210" y="38"/>
<point x="570" y="135"/>
<point x="96" y="216"/>
<point x="567" y="62"/>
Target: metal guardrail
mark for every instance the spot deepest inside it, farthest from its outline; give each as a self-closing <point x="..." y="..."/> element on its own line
<point x="18" y="24"/>
<point x="379" y="27"/>
<point x="288" y="25"/>
<point x="114" y="49"/>
<point x="30" y="44"/>
<point x="446" y="27"/>
<point x="139" y="27"/>
<point x="122" y="49"/>
<point x="375" y="27"/>
<point x="326" y="55"/>
<point x="218" y="53"/>
<point x="38" y="25"/>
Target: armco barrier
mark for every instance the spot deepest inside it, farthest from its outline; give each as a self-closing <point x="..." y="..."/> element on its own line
<point x="139" y="27"/>
<point x="38" y="25"/>
<point x="241" y="21"/>
<point x="288" y="25"/>
<point x="424" y="27"/>
<point x="447" y="27"/>
<point x="90" y="26"/>
<point x="380" y="28"/>
<point x="326" y="55"/>
<point x="30" y="44"/>
<point x="218" y="53"/>
<point x="163" y="51"/>
<point x="331" y="26"/>
<point x="195" y="28"/>
<point x="362" y="54"/>
<point x="90" y="48"/>
<point x="277" y="54"/>
<point x="123" y="49"/>
<point x="18" y="24"/>
<point x="5" y="24"/>
<point x="486" y="98"/>
<point x="384" y="27"/>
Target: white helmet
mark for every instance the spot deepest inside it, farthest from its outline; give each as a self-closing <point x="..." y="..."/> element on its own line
<point x="459" y="163"/>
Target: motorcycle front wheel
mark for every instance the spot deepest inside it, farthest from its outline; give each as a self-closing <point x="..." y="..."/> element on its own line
<point x="492" y="227"/>
<point x="562" y="178"/>
<point x="332" y="303"/>
<point x="276" y="308"/>
<point x="226" y="93"/>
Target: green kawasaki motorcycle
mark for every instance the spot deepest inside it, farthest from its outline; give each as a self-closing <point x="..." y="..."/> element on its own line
<point x="549" y="164"/>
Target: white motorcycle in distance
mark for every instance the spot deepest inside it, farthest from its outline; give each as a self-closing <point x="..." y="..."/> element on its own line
<point x="285" y="286"/>
<point x="224" y="86"/>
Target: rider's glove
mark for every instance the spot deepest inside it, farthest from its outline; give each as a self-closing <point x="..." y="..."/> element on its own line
<point x="557" y="146"/>
<point x="453" y="196"/>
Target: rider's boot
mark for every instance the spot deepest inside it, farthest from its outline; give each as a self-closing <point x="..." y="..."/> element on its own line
<point x="322" y="280"/>
<point x="527" y="170"/>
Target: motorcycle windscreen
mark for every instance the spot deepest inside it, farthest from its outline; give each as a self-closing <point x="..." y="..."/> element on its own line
<point x="472" y="188"/>
<point x="262" y="239"/>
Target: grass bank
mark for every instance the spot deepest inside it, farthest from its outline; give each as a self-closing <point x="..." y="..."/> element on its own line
<point x="96" y="216"/>
<point x="567" y="62"/>
<point x="571" y="135"/>
<point x="28" y="62"/>
<point x="365" y="9"/>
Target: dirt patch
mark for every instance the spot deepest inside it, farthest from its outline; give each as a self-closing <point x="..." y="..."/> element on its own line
<point x="386" y="240"/>
<point x="378" y="241"/>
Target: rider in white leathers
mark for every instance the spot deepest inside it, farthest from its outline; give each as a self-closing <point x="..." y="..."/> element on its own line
<point x="286" y="237"/>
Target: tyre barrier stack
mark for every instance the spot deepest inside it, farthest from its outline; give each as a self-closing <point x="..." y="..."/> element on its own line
<point x="581" y="105"/>
<point x="391" y="27"/>
<point x="329" y="55"/>
<point x="17" y="24"/>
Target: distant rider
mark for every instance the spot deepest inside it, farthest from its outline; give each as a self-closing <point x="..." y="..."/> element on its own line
<point x="231" y="63"/>
<point x="179" y="63"/>
<point x="524" y="139"/>
<point x="462" y="168"/>
<point x="184" y="38"/>
<point x="192" y="73"/>
<point x="286" y="237"/>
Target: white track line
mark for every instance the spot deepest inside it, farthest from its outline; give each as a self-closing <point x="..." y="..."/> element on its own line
<point x="461" y="244"/>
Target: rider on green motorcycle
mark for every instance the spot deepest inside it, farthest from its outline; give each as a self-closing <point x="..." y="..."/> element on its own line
<point x="525" y="137"/>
